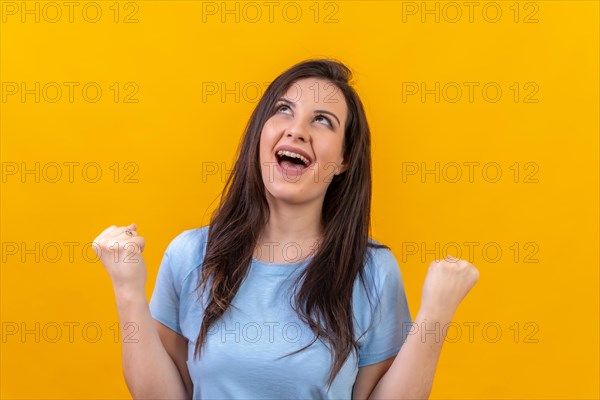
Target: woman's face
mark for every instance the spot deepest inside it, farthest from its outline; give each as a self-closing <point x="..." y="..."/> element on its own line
<point x="306" y="128"/>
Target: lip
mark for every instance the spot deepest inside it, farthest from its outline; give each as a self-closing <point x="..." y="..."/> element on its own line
<point x="295" y="150"/>
<point x="292" y="172"/>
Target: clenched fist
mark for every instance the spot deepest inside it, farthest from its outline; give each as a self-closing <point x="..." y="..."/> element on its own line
<point x="120" y="251"/>
<point x="446" y="285"/>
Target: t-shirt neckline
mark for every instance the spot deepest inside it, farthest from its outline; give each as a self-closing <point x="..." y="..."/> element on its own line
<point x="281" y="265"/>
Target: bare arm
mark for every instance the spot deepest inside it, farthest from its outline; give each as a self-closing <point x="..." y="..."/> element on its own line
<point x="367" y="378"/>
<point x="150" y="372"/>
<point x="177" y="347"/>
<point x="411" y="374"/>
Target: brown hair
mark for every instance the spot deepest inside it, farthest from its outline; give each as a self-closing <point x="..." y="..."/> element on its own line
<point x="326" y="291"/>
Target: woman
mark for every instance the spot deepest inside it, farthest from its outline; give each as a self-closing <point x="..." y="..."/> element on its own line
<point x="284" y="295"/>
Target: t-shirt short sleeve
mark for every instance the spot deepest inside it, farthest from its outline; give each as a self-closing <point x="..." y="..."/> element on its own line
<point x="164" y="304"/>
<point x="391" y="314"/>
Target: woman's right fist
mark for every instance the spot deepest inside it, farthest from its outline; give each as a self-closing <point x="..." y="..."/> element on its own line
<point x="120" y="251"/>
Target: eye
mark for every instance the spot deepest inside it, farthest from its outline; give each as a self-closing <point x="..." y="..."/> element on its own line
<point x="280" y="106"/>
<point x="321" y="116"/>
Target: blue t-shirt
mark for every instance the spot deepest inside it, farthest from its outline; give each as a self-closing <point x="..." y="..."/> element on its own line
<point x="240" y="359"/>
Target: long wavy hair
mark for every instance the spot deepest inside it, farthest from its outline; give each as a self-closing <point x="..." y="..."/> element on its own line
<point x="326" y="284"/>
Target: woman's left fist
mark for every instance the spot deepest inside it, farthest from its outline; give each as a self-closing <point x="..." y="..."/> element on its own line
<point x="447" y="283"/>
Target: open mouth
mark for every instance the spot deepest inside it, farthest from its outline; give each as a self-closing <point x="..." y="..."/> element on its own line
<point x="288" y="160"/>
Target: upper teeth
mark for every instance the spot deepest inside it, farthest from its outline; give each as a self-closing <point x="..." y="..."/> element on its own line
<point x="292" y="154"/>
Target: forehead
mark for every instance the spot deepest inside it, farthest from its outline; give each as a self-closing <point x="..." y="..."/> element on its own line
<point x="313" y="92"/>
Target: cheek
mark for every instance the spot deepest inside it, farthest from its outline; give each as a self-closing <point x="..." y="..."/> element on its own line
<point x="269" y="130"/>
<point x="330" y="151"/>
<point x="266" y="141"/>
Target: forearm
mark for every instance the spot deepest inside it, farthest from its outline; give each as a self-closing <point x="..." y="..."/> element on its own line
<point x="411" y="374"/>
<point x="149" y="370"/>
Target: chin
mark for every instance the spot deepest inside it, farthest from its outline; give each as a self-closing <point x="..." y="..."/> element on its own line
<point x="287" y="195"/>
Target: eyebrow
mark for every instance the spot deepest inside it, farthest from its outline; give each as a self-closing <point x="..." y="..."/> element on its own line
<point x="291" y="103"/>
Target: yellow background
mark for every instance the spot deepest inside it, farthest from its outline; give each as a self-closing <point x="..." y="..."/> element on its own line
<point x="172" y="135"/>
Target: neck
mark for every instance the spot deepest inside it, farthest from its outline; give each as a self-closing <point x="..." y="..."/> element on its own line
<point x="292" y="223"/>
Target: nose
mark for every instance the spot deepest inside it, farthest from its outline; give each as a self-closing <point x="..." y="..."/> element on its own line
<point x="296" y="131"/>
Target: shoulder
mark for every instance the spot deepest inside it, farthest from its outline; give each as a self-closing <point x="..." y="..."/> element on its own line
<point x="381" y="274"/>
<point x="186" y="251"/>
<point x="190" y="241"/>
<point x="381" y="264"/>
<point x="382" y="288"/>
